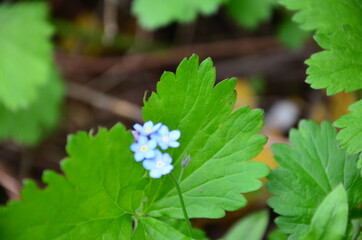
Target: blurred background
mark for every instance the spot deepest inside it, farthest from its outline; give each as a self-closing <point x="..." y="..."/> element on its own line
<point x="101" y="57"/>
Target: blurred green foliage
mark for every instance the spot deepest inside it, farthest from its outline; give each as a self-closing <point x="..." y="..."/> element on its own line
<point x="31" y="90"/>
<point x="291" y="35"/>
<point x="250" y="13"/>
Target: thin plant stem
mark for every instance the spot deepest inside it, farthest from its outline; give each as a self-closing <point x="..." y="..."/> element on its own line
<point x="182" y="205"/>
<point x="180" y="177"/>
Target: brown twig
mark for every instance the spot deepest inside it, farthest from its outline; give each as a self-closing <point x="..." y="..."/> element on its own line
<point x="100" y="100"/>
<point x="147" y="61"/>
<point x="9" y="182"/>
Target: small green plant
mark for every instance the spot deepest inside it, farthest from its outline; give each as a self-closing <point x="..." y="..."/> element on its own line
<point x="191" y="157"/>
<point x="104" y="189"/>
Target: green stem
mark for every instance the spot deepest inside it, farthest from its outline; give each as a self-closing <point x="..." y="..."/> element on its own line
<point x="180" y="177"/>
<point x="183" y="205"/>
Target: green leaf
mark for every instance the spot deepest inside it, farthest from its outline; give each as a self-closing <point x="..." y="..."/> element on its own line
<point x="103" y="189"/>
<point x="277" y="234"/>
<point x="182" y="227"/>
<point x="331" y="218"/>
<point x="252" y="227"/>
<point x="153" y="14"/>
<point x="350" y="136"/>
<point x="26" y="53"/>
<point x="310" y="169"/>
<point x="218" y="141"/>
<point x="338" y="24"/>
<point x="291" y="35"/>
<point x="27" y="126"/>
<point x="151" y="228"/>
<point x="249" y="13"/>
<point x="323" y="15"/>
<point x="338" y="68"/>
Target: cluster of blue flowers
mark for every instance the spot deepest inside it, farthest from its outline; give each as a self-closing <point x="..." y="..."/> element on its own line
<point x="150" y="136"/>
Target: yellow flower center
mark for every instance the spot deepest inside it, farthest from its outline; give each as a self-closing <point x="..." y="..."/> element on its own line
<point x="144" y="148"/>
<point x="148" y="130"/>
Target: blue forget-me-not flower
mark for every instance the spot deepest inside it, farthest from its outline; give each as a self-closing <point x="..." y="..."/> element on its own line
<point x="144" y="148"/>
<point x="166" y="138"/>
<point x="147" y="137"/>
<point x="147" y="129"/>
<point x="160" y="165"/>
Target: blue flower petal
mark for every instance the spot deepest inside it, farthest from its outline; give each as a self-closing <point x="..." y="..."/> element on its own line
<point x="156" y="127"/>
<point x="152" y="144"/>
<point x="174" y="144"/>
<point x="167" y="169"/>
<point x="149" y="154"/>
<point x="175" y="134"/>
<point x="163" y="130"/>
<point x="142" y="140"/>
<point x="155" y="173"/>
<point x="158" y="154"/>
<point x="163" y="145"/>
<point x="139" y="156"/>
<point x="167" y="158"/>
<point x="148" y="125"/>
<point x="149" y="164"/>
<point x="134" y="147"/>
<point x="138" y="127"/>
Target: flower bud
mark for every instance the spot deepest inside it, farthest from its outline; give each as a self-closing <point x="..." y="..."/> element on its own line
<point x="185" y="161"/>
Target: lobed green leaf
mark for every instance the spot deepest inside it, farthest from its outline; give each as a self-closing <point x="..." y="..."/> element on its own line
<point x="338" y="68"/>
<point x="338" y="25"/>
<point x="101" y="189"/>
<point x="311" y="167"/>
<point x="218" y="141"/>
